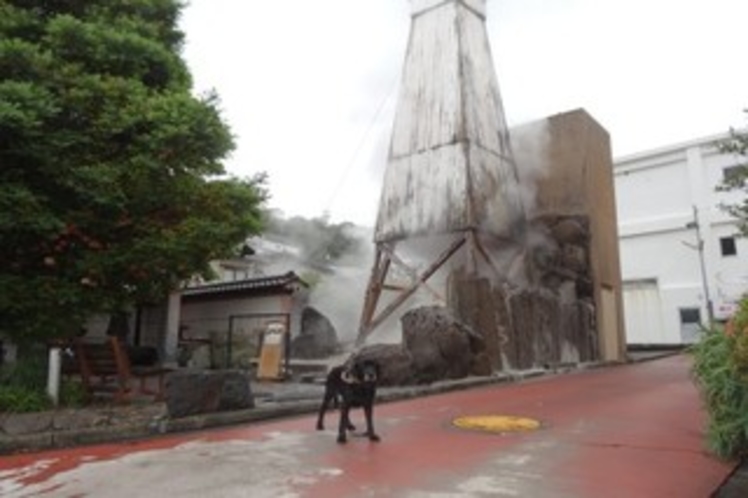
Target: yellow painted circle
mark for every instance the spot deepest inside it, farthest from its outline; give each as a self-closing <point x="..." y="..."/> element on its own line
<point x="496" y="423"/>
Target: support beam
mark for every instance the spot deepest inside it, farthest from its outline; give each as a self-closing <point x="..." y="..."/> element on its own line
<point x="374" y="290"/>
<point x="367" y="327"/>
<point x="413" y="274"/>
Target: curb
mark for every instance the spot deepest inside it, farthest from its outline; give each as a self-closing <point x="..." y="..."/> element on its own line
<point x="735" y="484"/>
<point x="161" y="425"/>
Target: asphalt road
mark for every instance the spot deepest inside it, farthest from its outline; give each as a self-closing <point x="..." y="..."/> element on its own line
<point x="628" y="431"/>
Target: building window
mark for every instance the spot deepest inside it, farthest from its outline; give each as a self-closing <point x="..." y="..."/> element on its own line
<point x="690" y="315"/>
<point x="728" y="246"/>
<point x="733" y="172"/>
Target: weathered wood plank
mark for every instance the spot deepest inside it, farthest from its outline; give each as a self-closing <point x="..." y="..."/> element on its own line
<point x="450" y="166"/>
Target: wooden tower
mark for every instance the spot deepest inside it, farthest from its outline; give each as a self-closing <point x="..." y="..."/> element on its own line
<point x="450" y="170"/>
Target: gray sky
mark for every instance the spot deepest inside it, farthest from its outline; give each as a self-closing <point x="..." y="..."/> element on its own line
<point x="309" y="86"/>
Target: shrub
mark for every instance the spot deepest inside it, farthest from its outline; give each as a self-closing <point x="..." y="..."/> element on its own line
<point x="721" y="371"/>
<point x="20" y="399"/>
<point x="30" y="371"/>
<point x="738" y="329"/>
<point x="72" y="394"/>
<point x="23" y="385"/>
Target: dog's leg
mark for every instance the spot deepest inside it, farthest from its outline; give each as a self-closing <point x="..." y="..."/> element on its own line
<point x="369" y="413"/>
<point x="323" y="409"/>
<point x="348" y="423"/>
<point x="336" y="404"/>
<point x="343" y="424"/>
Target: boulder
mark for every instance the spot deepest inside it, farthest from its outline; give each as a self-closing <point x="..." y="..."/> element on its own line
<point x="436" y="346"/>
<point x="570" y="231"/>
<point x="439" y="345"/>
<point x="191" y="392"/>
<point x="317" y="339"/>
<point x="396" y="364"/>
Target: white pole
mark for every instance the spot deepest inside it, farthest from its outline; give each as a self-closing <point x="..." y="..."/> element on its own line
<point x="173" y="314"/>
<point x="53" y="374"/>
<point x="704" y="280"/>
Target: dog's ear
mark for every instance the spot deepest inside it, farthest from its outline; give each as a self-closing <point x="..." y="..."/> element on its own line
<point x="348" y="377"/>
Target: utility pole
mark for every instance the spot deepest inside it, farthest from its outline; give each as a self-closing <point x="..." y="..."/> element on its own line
<point x="700" y="248"/>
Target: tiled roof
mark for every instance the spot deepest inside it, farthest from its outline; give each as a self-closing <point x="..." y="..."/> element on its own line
<point x="278" y="283"/>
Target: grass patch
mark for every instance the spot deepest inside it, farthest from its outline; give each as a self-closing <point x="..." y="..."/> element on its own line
<point x="23" y="386"/>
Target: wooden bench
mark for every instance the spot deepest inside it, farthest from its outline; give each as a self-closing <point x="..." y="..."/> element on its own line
<point x="105" y="369"/>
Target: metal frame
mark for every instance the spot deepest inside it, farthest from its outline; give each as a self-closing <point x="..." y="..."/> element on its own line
<point x="384" y="258"/>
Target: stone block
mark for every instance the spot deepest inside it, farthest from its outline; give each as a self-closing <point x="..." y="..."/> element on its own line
<point x="65" y="420"/>
<point x="25" y="443"/>
<point x="19" y="424"/>
<point x="191" y="392"/>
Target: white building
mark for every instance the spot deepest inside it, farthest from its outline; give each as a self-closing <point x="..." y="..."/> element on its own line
<point x="667" y="201"/>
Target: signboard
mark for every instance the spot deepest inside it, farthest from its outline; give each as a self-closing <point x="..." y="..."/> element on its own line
<point x="271" y="355"/>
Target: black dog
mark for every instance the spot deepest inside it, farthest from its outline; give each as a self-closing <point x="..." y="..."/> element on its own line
<point x="356" y="385"/>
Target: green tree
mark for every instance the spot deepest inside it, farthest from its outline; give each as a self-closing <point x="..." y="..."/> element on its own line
<point x="112" y="188"/>
<point x="737" y="179"/>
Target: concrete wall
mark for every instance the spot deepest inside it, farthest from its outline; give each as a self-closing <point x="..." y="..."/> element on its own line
<point x="212" y="315"/>
<point x="577" y="179"/>
<point x="656" y="194"/>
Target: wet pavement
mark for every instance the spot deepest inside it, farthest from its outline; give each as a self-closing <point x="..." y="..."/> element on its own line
<point x="634" y="431"/>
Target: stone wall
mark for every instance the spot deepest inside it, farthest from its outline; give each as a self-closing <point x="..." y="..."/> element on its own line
<point x="68" y="427"/>
<point x="547" y="321"/>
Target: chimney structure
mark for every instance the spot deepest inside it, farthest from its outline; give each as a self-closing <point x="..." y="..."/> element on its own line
<point x="450" y="170"/>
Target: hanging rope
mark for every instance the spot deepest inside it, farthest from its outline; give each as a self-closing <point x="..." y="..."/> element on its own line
<point x="364" y="138"/>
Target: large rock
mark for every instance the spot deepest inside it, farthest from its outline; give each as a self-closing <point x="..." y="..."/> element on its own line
<point x="317" y="339"/>
<point x="191" y="392"/>
<point x="571" y="231"/>
<point x="436" y="346"/>
<point x="396" y="364"/>
<point x="439" y="344"/>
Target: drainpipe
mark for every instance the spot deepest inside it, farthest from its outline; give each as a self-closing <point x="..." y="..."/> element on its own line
<point x="700" y="247"/>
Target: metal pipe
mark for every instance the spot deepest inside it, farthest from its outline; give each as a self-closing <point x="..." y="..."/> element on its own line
<point x="704" y="281"/>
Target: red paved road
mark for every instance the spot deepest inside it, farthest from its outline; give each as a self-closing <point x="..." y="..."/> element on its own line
<point x="632" y="431"/>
